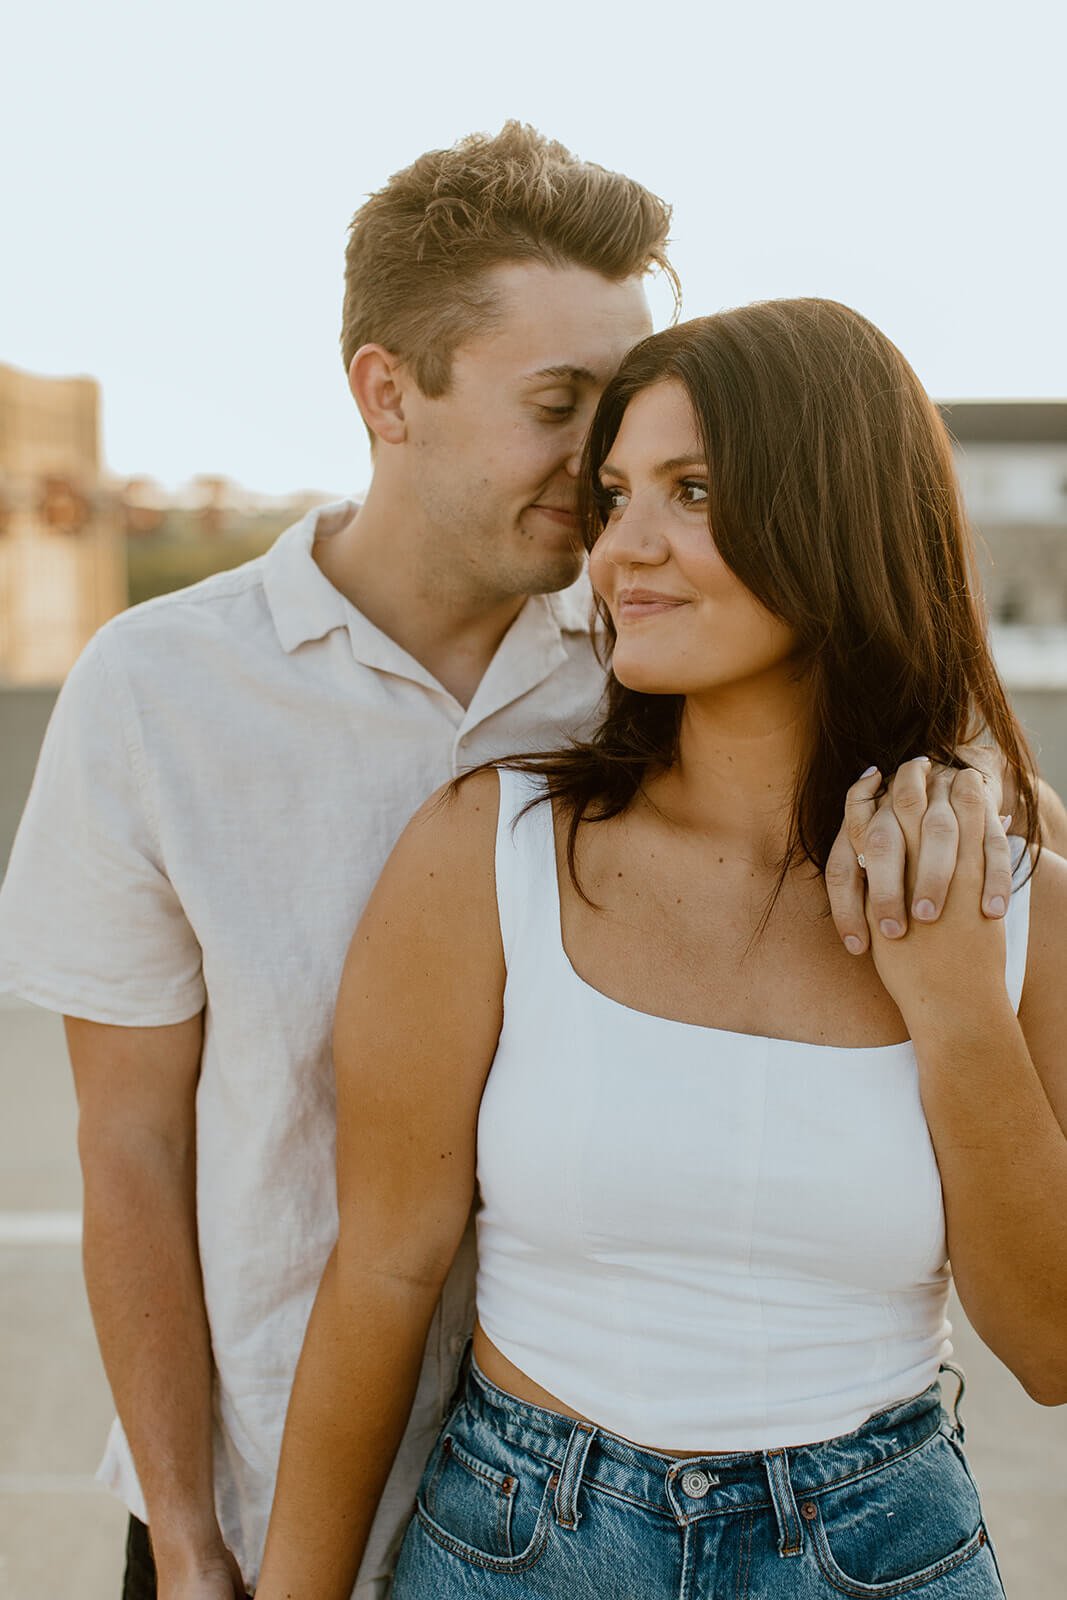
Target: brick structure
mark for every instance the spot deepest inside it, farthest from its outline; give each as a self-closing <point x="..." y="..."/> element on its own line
<point x="62" y="557"/>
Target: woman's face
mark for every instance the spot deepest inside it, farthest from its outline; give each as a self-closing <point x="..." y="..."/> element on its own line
<point x="685" y="623"/>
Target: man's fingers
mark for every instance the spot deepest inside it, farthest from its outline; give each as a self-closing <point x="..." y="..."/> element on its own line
<point x="990" y="763"/>
<point x="909" y="792"/>
<point x="938" y="844"/>
<point x="975" y="803"/>
<point x="846" y="889"/>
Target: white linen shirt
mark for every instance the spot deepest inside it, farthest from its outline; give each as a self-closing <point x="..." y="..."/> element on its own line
<point x="224" y="775"/>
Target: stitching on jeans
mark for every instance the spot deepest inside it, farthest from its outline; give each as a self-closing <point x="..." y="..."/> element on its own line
<point x="881" y="1591"/>
<point x="664" y="1510"/>
<point x="745" y="1557"/>
<point x="479" y="1558"/>
<point x="874" y="1466"/>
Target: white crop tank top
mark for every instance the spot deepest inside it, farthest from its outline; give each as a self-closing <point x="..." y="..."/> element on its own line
<point x="699" y="1239"/>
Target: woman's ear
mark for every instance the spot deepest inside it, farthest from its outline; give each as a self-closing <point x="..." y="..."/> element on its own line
<point x="376" y="381"/>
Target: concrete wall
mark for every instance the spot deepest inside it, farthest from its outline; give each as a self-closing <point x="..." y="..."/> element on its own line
<point x="1043" y="713"/>
<point x="24" y="714"/>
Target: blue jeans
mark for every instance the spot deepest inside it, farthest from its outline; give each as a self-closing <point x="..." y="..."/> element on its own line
<point x="518" y="1502"/>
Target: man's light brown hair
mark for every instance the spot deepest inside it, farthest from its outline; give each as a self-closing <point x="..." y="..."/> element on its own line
<point x="419" y="249"/>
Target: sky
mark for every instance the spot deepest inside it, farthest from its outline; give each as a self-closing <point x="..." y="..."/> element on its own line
<point x="177" y="182"/>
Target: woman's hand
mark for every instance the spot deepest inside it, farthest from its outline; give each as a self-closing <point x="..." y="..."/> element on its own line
<point x="954" y="964"/>
<point x="908" y="836"/>
<point x="993" y="1084"/>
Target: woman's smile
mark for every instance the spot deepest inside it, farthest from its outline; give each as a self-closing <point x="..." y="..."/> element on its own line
<point x="633" y="605"/>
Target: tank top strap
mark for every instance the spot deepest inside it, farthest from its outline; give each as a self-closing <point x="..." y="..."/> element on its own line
<point x="1017" y="922"/>
<point x="527" y="887"/>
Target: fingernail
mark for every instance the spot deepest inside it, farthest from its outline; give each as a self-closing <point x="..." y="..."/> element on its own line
<point x="866" y="774"/>
<point x="925" y="910"/>
<point x="890" y="929"/>
<point x="853" y="945"/>
<point x="1004" y="822"/>
<point x="996" y="906"/>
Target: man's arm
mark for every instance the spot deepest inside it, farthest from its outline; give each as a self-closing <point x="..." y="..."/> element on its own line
<point x="137" y="1141"/>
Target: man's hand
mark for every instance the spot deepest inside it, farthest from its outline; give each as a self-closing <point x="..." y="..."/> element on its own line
<point x="915" y="805"/>
<point x="216" y="1578"/>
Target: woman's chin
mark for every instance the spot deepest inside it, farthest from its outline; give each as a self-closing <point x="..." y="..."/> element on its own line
<point x="646" y="680"/>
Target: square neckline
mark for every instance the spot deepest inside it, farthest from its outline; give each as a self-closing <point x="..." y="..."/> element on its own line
<point x="544" y="804"/>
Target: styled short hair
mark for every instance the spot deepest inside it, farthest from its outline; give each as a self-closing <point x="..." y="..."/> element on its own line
<point x="418" y="250"/>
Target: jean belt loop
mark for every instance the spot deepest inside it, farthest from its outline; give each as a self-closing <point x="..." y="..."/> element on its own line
<point x="955" y="1416"/>
<point x="570" y="1474"/>
<point x="790" y="1528"/>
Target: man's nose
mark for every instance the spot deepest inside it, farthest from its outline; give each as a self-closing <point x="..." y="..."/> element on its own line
<point x="573" y="464"/>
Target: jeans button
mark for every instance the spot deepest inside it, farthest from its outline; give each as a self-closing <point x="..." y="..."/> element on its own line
<point x="696" y="1483"/>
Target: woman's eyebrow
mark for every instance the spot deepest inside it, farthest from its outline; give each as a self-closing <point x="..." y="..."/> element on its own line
<point x="664" y="469"/>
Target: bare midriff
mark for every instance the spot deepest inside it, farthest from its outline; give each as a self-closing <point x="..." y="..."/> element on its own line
<point x="507" y="1376"/>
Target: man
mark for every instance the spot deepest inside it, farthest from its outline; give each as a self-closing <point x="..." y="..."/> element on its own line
<point x="225" y="773"/>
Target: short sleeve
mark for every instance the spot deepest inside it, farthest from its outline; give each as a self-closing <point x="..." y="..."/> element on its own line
<point x="90" y="923"/>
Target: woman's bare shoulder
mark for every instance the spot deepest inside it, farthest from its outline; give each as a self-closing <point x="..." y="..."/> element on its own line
<point x="441" y="870"/>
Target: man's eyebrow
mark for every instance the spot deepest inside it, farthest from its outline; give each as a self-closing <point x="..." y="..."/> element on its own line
<point x="663" y="470"/>
<point x="566" y="373"/>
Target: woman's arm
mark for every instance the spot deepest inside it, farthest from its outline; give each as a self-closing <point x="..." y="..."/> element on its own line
<point x="994" y="1089"/>
<point x="418" y="1018"/>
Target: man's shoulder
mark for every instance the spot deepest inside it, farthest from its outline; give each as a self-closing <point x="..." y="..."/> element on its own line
<point x="211" y="601"/>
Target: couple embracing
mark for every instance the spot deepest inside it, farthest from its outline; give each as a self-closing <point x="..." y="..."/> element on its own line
<point x="730" y="1048"/>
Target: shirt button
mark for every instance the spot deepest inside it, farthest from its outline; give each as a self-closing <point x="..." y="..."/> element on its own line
<point x="696" y="1483"/>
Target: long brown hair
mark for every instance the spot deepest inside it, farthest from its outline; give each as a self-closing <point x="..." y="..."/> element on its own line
<point x="833" y="497"/>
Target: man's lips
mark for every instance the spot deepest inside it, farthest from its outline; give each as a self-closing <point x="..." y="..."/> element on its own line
<point x="566" y="516"/>
<point x="633" y="604"/>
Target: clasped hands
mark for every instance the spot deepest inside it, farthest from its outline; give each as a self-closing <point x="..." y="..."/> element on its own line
<point x="928" y="831"/>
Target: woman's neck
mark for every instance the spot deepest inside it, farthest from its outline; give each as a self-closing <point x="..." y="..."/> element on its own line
<point x="739" y="755"/>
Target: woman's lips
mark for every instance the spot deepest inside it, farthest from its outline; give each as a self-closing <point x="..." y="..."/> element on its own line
<point x="633" y="604"/>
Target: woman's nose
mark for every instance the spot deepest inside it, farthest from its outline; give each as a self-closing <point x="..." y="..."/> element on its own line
<point x="632" y="538"/>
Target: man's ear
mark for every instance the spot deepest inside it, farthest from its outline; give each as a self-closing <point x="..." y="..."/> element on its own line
<point x="376" y="380"/>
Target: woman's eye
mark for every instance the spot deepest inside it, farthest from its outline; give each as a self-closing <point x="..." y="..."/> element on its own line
<point x="557" y="413"/>
<point x="609" y="500"/>
<point x="693" y="493"/>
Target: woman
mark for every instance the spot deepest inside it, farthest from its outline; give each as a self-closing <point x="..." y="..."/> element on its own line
<point x="722" y="1165"/>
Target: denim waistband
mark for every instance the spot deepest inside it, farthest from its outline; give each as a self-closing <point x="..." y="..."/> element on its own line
<point x="690" y="1488"/>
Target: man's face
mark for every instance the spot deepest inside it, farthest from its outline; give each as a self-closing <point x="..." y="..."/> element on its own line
<point x="493" y="463"/>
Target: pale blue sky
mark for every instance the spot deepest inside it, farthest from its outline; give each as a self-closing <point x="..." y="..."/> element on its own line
<point x="177" y="181"/>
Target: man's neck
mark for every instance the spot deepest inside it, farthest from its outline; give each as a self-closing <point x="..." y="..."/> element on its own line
<point x="374" y="561"/>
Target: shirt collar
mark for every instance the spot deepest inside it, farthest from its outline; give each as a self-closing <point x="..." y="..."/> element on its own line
<point x="304" y="606"/>
<point x="303" y="603"/>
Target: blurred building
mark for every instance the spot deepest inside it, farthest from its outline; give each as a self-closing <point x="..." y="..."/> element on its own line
<point x="1012" y="460"/>
<point x="62" y="554"/>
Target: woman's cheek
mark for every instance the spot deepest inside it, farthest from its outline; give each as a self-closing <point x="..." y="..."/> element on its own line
<point x="600" y="571"/>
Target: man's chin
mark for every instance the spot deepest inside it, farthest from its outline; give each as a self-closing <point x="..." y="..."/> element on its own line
<point x="559" y="574"/>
